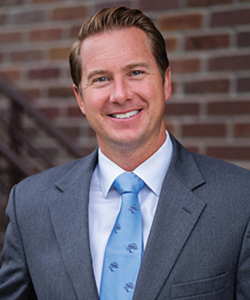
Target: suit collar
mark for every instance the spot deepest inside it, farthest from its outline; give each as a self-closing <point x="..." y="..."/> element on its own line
<point x="78" y="171"/>
<point x="184" y="166"/>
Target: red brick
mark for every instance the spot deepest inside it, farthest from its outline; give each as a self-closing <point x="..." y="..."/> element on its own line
<point x="243" y="39"/>
<point x="198" y="3"/>
<point x="73" y="132"/>
<point x="31" y="93"/>
<point x="45" y="1"/>
<point x="50" y="112"/>
<point x="230" y="18"/>
<point x="242" y="130"/>
<point x="44" y="73"/>
<point x="88" y="133"/>
<point x="181" y="22"/>
<point x="25" y="56"/>
<point x="170" y="128"/>
<point x="207" y="42"/>
<point x="158" y="4"/>
<point x="74" y="31"/>
<point x="11" y="37"/>
<point x="105" y="4"/>
<point x="243" y="85"/>
<point x="11" y="74"/>
<point x="69" y="13"/>
<point x="60" y="92"/>
<point x="91" y="132"/>
<point x="11" y="2"/>
<point x="204" y="130"/>
<point x="179" y="109"/>
<point x="29" y="17"/>
<point x="192" y="148"/>
<point x="229" y="152"/>
<point x="86" y="150"/>
<point x="74" y="111"/>
<point x="229" y="63"/>
<point x="185" y="66"/>
<point x="229" y="108"/>
<point x="45" y="35"/>
<point x="59" y="53"/>
<point x="52" y="152"/>
<point x="2" y="19"/>
<point x="207" y="86"/>
<point x="171" y="44"/>
<point x="173" y="85"/>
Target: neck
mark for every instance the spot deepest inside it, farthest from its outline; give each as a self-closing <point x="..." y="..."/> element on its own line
<point x="129" y="158"/>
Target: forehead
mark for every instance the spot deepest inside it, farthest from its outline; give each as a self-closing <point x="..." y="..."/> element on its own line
<point x="118" y="45"/>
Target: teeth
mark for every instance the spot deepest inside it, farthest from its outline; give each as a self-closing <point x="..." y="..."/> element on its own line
<point x="125" y="116"/>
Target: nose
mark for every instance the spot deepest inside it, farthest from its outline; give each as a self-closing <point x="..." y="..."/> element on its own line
<point x="120" y="91"/>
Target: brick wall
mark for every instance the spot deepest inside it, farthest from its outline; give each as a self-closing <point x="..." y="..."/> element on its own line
<point x="208" y="43"/>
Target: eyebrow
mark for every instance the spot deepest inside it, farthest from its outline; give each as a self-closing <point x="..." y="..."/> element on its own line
<point x="126" y="68"/>
<point x="135" y="65"/>
<point x="95" y="72"/>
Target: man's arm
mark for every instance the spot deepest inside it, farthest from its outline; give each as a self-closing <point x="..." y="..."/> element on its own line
<point x="15" y="282"/>
<point x="243" y="272"/>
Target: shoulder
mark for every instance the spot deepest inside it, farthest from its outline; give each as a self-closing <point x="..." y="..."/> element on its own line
<point x="220" y="170"/>
<point x="226" y="187"/>
<point x="215" y="181"/>
<point x="46" y="185"/>
<point x="190" y="163"/>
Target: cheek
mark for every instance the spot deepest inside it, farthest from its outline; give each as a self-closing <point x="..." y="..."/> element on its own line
<point x="93" y="103"/>
<point x="150" y="93"/>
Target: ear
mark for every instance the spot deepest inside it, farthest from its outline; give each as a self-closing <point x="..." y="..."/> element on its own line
<point x="167" y="84"/>
<point x="79" y="98"/>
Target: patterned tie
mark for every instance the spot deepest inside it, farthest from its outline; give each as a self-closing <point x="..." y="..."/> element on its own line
<point x="125" y="246"/>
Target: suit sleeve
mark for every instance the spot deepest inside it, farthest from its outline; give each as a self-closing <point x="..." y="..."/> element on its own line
<point x="15" y="282"/>
<point x="243" y="272"/>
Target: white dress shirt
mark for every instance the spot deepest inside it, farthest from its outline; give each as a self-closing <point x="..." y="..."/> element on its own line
<point x="104" y="199"/>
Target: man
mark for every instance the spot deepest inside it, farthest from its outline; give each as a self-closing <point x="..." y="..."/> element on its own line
<point x="195" y="210"/>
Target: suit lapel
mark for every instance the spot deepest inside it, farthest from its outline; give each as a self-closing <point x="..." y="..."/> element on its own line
<point x="69" y="215"/>
<point x="177" y="214"/>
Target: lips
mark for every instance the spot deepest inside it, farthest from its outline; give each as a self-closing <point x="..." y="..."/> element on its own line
<point x="126" y="115"/>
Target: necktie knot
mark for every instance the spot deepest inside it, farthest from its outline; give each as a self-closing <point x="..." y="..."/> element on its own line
<point x="128" y="183"/>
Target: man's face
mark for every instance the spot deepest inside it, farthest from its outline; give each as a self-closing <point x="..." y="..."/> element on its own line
<point x="123" y="95"/>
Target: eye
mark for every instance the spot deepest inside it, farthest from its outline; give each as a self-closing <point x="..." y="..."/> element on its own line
<point x="137" y="72"/>
<point x="100" y="79"/>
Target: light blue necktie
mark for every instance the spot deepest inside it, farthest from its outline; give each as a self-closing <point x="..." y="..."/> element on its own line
<point x="125" y="246"/>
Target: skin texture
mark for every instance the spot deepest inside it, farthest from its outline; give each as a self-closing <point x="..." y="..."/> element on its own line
<point x="120" y="76"/>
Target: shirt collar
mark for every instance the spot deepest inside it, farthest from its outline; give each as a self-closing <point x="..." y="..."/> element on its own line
<point x="158" y="165"/>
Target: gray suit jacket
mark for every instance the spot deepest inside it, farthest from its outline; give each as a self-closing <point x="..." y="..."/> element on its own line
<point x="198" y="248"/>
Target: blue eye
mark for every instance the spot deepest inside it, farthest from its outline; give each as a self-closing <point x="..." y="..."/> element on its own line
<point x="101" y="79"/>
<point x="136" y="72"/>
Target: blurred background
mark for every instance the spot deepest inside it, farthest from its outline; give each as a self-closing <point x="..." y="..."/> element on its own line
<point x="208" y="44"/>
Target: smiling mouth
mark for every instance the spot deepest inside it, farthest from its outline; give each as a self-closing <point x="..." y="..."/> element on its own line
<point x="126" y="115"/>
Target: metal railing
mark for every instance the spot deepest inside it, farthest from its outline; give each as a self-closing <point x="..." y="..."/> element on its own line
<point x="20" y="155"/>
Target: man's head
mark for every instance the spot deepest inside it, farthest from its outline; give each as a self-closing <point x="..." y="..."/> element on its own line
<point x="118" y="18"/>
<point x="121" y="82"/>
